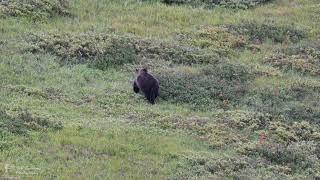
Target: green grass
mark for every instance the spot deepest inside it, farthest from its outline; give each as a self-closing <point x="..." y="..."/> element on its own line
<point x="222" y="85"/>
<point x="115" y="152"/>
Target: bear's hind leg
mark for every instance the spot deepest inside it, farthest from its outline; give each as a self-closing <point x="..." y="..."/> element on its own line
<point x="135" y="87"/>
<point x="151" y="97"/>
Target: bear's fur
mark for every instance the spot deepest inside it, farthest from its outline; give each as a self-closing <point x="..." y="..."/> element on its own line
<point x="148" y="84"/>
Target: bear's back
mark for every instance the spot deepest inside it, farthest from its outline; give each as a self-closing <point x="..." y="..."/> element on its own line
<point x="146" y="81"/>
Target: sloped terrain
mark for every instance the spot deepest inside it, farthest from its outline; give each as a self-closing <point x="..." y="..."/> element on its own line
<point x="34" y="9"/>
<point x="239" y="82"/>
<point x="235" y="4"/>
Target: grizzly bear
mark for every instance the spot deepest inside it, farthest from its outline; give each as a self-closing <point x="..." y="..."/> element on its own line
<point x="148" y="84"/>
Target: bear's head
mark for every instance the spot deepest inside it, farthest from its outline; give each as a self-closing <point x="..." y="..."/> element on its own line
<point x="142" y="70"/>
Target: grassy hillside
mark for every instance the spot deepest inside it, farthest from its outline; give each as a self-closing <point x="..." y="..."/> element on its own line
<point x="240" y="89"/>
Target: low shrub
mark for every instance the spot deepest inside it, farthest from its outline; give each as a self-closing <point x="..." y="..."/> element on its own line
<point x="221" y="85"/>
<point x="198" y="166"/>
<point x="261" y="31"/>
<point x="236" y="4"/>
<point x="240" y="4"/>
<point x="291" y="145"/>
<point x="215" y="38"/>
<point x="291" y="132"/>
<point x="176" y="53"/>
<point x="303" y="58"/>
<point x="35" y="9"/>
<point x="297" y="156"/>
<point x="228" y="166"/>
<point x="103" y="50"/>
<point x="217" y="135"/>
<point x="47" y="93"/>
<point x="97" y="50"/>
<point x="304" y="65"/>
<point x="276" y="148"/>
<point x="297" y="102"/>
<point x="25" y="122"/>
<point x="241" y="120"/>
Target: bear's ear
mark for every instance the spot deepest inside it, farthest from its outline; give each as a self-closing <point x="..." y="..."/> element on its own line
<point x="145" y="70"/>
<point x="137" y="70"/>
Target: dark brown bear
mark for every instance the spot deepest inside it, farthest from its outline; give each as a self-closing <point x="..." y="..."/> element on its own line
<point x="147" y="84"/>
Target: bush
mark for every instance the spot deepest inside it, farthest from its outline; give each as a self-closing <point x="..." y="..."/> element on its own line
<point x="97" y="50"/>
<point x="169" y="51"/>
<point x="221" y="85"/>
<point x="240" y="4"/>
<point x="297" y="156"/>
<point x="257" y="31"/>
<point x="215" y="38"/>
<point x="216" y="135"/>
<point x="47" y="93"/>
<point x="103" y="50"/>
<point x="241" y="120"/>
<point x="291" y="132"/>
<point x="273" y="147"/>
<point x="228" y="166"/>
<point x="297" y="102"/>
<point x="304" y="58"/>
<point x="25" y="122"/>
<point x="197" y="166"/>
<point x="35" y="9"/>
<point x="236" y="4"/>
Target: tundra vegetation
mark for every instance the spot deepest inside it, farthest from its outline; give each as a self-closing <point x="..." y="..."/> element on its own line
<point x="239" y="80"/>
